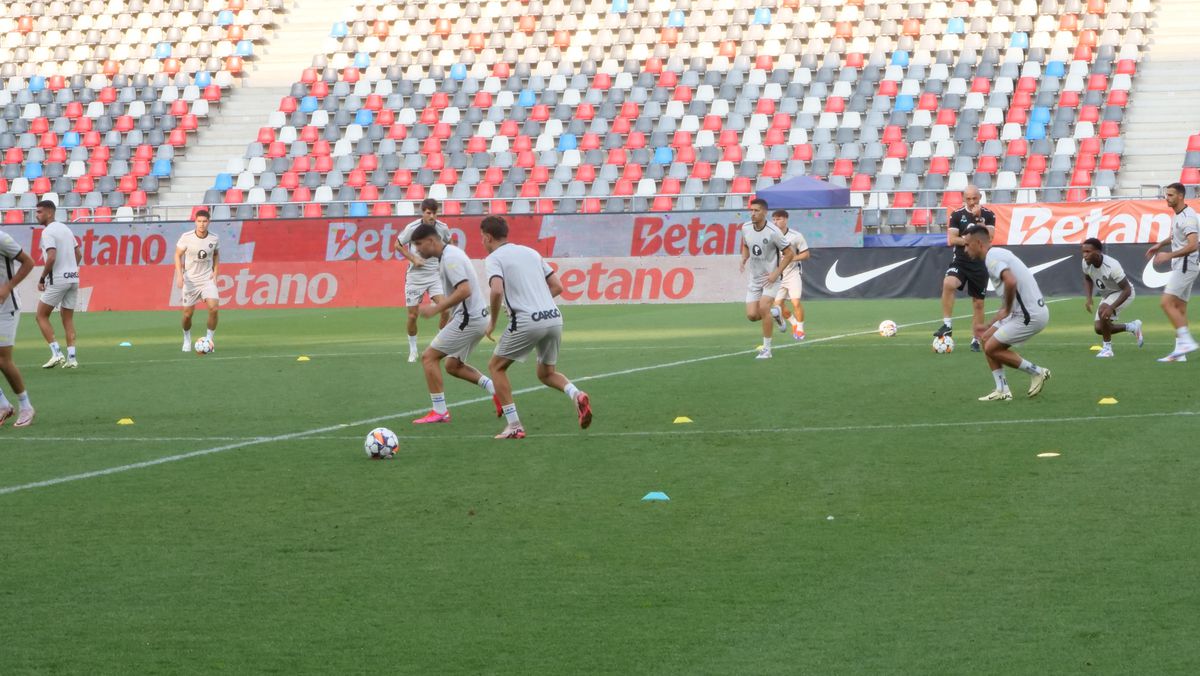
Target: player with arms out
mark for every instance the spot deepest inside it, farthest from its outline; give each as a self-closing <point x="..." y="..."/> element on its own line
<point x="527" y="285"/>
<point x="963" y="272"/>
<point x="10" y="317"/>
<point x="462" y="333"/>
<point x="768" y="253"/>
<point x="1185" y="265"/>
<point x="197" y="256"/>
<point x="1105" y="275"/>
<point x="1022" y="315"/>
<point x="59" y="284"/>
<point x="791" y="284"/>
<point x="422" y="276"/>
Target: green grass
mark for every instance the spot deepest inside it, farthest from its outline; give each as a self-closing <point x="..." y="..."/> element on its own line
<point x="952" y="549"/>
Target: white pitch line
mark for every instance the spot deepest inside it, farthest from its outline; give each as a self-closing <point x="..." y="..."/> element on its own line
<point x="371" y="421"/>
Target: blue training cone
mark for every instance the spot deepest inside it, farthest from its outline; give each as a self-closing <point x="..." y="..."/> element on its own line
<point x="656" y="495"/>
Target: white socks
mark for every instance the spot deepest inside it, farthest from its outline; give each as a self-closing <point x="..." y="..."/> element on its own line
<point x="1029" y="367"/>
<point x="1001" y="381"/>
<point x="210" y="333"/>
<point x="23" y="399"/>
<point x="55" y="350"/>
<point x="70" y="352"/>
<point x="487" y="384"/>
<point x="187" y="335"/>
<point x="412" y="343"/>
<point x="572" y="391"/>
<point x="510" y="414"/>
<point x="946" y="321"/>
<point x="766" y="343"/>
<point x="439" y="401"/>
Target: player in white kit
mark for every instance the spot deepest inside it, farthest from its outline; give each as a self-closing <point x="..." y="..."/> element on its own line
<point x="1105" y="275"/>
<point x="1022" y="315"/>
<point x="767" y="254"/>
<point x="468" y="321"/>
<point x="422" y="275"/>
<point x="527" y="285"/>
<point x="15" y="265"/>
<point x="197" y="256"/>
<point x="59" y="284"/>
<point x="791" y="284"/>
<point x="1185" y="265"/>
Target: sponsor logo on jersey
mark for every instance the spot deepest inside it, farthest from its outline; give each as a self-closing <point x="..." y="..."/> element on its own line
<point x="545" y="314"/>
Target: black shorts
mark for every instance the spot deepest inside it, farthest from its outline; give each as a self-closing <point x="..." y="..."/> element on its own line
<point x="970" y="274"/>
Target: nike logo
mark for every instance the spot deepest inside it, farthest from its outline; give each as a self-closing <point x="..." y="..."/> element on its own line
<point x="1153" y="278"/>
<point x="1034" y="270"/>
<point x="837" y="283"/>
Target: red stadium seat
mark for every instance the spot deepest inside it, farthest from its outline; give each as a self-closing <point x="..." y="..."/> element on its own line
<point x="590" y="205"/>
<point x="1190" y="176"/>
<point x="662" y="203"/>
<point x="268" y="211"/>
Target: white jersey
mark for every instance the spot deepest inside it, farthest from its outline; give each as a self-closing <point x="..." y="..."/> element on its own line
<point x="59" y="237"/>
<point x="198" y="256"/>
<point x="1108" y="277"/>
<point x="1183" y="224"/>
<point x="456" y="268"/>
<point x="525" y="290"/>
<point x="429" y="268"/>
<point x="765" y="246"/>
<point x="1028" y="301"/>
<point x="798" y="244"/>
<point x="9" y="250"/>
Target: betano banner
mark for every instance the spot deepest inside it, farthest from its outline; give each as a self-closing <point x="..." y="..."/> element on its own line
<point x="343" y="263"/>
<point x="1117" y="222"/>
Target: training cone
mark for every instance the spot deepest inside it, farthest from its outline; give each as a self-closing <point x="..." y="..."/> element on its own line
<point x="656" y="496"/>
<point x="302" y="358"/>
<point x="126" y="344"/>
<point x="1107" y="400"/>
<point x="1094" y="348"/>
<point x="125" y="421"/>
<point x="682" y="420"/>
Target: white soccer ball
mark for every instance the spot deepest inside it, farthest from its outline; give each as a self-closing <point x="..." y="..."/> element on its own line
<point x="888" y="328"/>
<point x="203" y="346"/>
<point x="943" y="345"/>
<point x="381" y="443"/>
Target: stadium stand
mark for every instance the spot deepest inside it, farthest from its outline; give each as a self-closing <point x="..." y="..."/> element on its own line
<point x="588" y="105"/>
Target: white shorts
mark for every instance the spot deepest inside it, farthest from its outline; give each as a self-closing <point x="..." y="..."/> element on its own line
<point x="8" y="328"/>
<point x="194" y="293"/>
<point x="789" y="287"/>
<point x="458" y="338"/>
<point x="1179" y="283"/>
<point x="415" y="288"/>
<point x="1110" y="300"/>
<point x="63" y="296"/>
<point x="1014" y="330"/>
<point x="517" y="344"/>
<point x="759" y="289"/>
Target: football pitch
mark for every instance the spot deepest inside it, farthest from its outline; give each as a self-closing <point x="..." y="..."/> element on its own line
<point x="846" y="507"/>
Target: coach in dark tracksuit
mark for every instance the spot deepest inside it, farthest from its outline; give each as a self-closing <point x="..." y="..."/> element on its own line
<point x="964" y="272"/>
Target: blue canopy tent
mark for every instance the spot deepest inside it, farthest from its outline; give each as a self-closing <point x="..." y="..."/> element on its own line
<point x="805" y="192"/>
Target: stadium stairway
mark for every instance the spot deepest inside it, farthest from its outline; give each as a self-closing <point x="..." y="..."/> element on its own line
<point x="1165" y="102"/>
<point x="249" y="105"/>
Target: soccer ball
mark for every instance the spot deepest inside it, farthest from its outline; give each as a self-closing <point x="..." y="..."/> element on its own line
<point x="381" y="443"/>
<point x="888" y="328"/>
<point x="943" y="344"/>
<point x="203" y="346"/>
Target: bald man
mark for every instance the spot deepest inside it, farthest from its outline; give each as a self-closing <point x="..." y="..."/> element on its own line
<point x="964" y="272"/>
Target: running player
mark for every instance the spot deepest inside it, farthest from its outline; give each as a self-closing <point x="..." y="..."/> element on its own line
<point x="59" y="284"/>
<point x="964" y="272"/>
<point x="422" y="277"/>
<point x="1185" y="265"/>
<point x="459" y="337"/>
<point x="791" y="285"/>
<point x="197" y="256"/>
<point x="769" y="254"/>
<point x="10" y="317"/>
<point x="518" y="276"/>
<point x="1105" y="274"/>
<point x="1022" y="314"/>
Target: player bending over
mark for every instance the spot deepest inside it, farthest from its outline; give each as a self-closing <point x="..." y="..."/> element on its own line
<point x="1022" y="315"/>
<point x="963" y="272"/>
<point x="518" y="276"/>
<point x="10" y="317"/>
<point x="462" y="333"/>
<point x="791" y="284"/>
<point x="59" y="284"/>
<point x="1185" y="266"/>
<point x="1105" y="274"/>
<point x="196" y="257"/>
<point x="768" y="254"/>
<point x="422" y="276"/>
